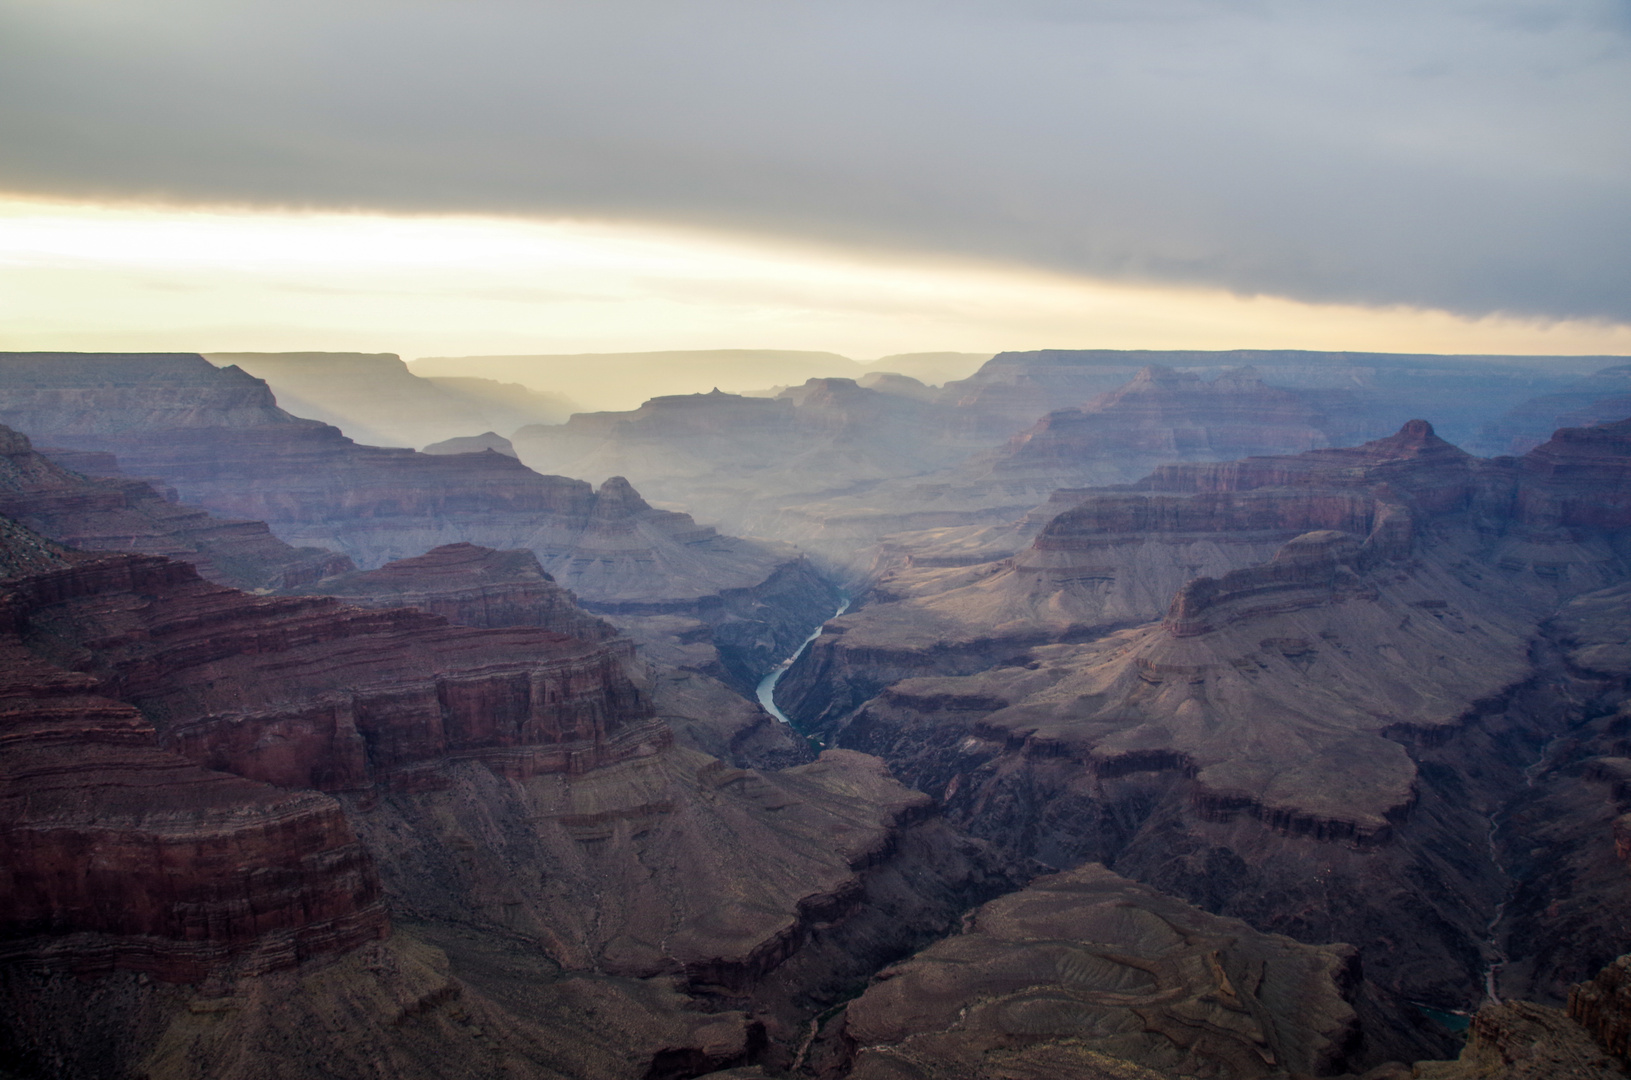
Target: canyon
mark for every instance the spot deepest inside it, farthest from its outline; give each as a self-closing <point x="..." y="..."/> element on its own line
<point x="1191" y="715"/>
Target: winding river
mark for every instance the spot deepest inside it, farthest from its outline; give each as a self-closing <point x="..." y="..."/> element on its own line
<point x="767" y="685"/>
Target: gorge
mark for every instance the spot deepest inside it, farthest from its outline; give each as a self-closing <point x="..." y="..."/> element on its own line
<point x="1096" y="716"/>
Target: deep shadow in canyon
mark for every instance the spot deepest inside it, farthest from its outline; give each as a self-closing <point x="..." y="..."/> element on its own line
<point x="1194" y="715"/>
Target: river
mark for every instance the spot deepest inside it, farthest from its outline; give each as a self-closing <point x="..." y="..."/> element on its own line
<point x="767" y="685"/>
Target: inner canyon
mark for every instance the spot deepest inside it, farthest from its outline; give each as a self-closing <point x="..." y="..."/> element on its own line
<point x="1098" y="715"/>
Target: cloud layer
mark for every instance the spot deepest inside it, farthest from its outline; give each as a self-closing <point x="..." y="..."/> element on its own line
<point x="1474" y="157"/>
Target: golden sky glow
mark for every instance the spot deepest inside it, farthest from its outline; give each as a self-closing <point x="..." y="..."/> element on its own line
<point x="76" y="276"/>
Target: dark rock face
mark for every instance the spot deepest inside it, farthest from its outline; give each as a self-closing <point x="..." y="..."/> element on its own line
<point x="495" y="786"/>
<point x="118" y="854"/>
<point x="1519" y="1040"/>
<point x="1081" y="970"/>
<point x="116" y="514"/>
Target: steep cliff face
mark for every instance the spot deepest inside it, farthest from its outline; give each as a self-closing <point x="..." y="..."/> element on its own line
<point x="1602" y="1006"/>
<point x="1520" y="1040"/>
<point x="306" y="693"/>
<point x="217" y="436"/>
<point x="116" y="514"/>
<point x="1082" y="972"/>
<point x="116" y="854"/>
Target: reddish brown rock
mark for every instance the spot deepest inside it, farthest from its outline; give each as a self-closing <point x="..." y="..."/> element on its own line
<point x="116" y="854"/>
<point x="304" y="692"/>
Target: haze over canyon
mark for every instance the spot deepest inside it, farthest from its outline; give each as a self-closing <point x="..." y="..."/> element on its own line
<point x="861" y="540"/>
<point x="1184" y="714"/>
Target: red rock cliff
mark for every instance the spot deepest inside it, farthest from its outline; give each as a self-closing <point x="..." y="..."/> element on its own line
<point x="115" y="853"/>
<point x="308" y="693"/>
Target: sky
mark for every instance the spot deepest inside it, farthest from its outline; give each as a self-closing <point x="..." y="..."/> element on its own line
<point x="474" y="176"/>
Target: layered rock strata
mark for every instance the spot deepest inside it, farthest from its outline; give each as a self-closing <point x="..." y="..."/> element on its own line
<point x="1162" y="415"/>
<point x="112" y="513"/>
<point x="1603" y="1007"/>
<point x="1369" y="393"/>
<point x="1520" y="1040"/>
<point x="472" y="586"/>
<point x="306" y="693"/>
<point x="1117" y="557"/>
<point x="1082" y="971"/>
<point x="218" y="438"/>
<point x="507" y="786"/>
<point x="118" y="854"/>
<point x="475" y="586"/>
<point x="1313" y="743"/>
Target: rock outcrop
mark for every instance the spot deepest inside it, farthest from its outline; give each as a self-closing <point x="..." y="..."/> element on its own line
<point x="491" y="786"/>
<point x="1084" y="971"/>
<point x="1520" y="1040"/>
<point x="1603" y="1007"/>
<point x="1117" y="556"/>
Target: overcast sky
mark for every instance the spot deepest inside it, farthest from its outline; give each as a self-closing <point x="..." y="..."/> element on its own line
<point x="1469" y="157"/>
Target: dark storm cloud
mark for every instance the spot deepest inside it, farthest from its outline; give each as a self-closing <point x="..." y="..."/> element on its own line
<point x="1473" y="156"/>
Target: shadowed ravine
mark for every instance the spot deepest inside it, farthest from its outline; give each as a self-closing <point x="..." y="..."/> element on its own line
<point x="766" y="690"/>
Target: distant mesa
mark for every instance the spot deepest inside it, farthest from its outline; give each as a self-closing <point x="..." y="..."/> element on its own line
<point x="473" y="444"/>
<point x="378" y="401"/>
